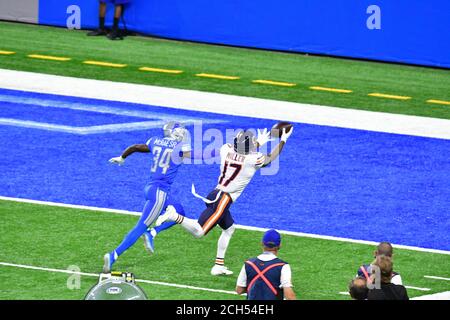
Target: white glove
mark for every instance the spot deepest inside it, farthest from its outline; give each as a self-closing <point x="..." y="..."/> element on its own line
<point x="285" y="135"/>
<point x="117" y="160"/>
<point x="263" y="137"/>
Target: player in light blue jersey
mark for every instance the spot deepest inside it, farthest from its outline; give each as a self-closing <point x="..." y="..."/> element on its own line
<point x="168" y="153"/>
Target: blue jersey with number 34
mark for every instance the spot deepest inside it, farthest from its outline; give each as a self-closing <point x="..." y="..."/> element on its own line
<point x="167" y="158"/>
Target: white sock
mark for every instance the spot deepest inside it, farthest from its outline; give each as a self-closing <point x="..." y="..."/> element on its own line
<point x="222" y="244"/>
<point x="191" y="226"/>
<point x="153" y="232"/>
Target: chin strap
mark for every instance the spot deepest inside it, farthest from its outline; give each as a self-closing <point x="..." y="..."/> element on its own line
<point x="203" y="198"/>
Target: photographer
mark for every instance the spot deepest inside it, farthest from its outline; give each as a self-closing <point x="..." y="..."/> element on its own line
<point x="386" y="290"/>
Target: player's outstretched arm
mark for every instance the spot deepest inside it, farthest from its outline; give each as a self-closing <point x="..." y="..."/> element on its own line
<point x="143" y="148"/>
<point x="277" y="150"/>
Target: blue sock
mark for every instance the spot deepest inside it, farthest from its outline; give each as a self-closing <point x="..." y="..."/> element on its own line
<point x="131" y="238"/>
<point x="166" y="225"/>
<point x="137" y="231"/>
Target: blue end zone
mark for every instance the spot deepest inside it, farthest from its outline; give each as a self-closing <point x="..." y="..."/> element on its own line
<point x="332" y="181"/>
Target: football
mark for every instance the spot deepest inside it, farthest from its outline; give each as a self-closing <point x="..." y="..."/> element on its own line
<point x="275" y="132"/>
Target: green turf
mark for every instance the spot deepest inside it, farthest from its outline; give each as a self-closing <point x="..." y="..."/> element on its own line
<point x="360" y="76"/>
<point x="54" y="237"/>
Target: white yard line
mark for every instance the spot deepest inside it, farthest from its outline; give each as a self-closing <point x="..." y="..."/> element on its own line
<point x="250" y="228"/>
<point x="167" y="284"/>
<point x="435" y="296"/>
<point x="417" y="288"/>
<point x="226" y="104"/>
<point x="437" y="278"/>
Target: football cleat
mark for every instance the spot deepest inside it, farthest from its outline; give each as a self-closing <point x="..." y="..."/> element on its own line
<point x="219" y="270"/>
<point x="108" y="262"/>
<point x="148" y="242"/>
<point x="170" y="215"/>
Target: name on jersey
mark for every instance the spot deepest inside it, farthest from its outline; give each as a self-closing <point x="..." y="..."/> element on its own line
<point x="235" y="157"/>
<point x="165" y="143"/>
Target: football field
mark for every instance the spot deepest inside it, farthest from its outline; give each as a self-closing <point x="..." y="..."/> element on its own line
<point x="343" y="183"/>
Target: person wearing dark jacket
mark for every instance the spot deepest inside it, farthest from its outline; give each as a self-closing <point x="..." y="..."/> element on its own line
<point x="383" y="288"/>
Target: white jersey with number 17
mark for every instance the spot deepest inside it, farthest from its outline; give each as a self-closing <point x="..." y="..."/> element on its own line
<point x="237" y="170"/>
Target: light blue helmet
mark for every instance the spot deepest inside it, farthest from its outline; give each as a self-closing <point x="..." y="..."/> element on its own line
<point x="175" y="130"/>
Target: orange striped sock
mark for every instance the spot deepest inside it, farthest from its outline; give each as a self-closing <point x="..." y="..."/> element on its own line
<point x="220" y="261"/>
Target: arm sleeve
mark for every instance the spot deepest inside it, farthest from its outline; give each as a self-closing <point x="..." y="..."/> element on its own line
<point x="286" y="274"/>
<point x="242" y="279"/>
<point x="260" y="160"/>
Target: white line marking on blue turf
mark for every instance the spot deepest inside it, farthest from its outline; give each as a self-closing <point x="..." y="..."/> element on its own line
<point x="250" y="228"/>
<point x="437" y="278"/>
<point x="99" y="108"/>
<point x="167" y="284"/>
<point x="226" y="104"/>
<point x="107" y="128"/>
<point x="158" y="118"/>
<point x="435" y="296"/>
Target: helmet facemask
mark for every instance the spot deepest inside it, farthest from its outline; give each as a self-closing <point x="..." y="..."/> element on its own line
<point x="245" y="142"/>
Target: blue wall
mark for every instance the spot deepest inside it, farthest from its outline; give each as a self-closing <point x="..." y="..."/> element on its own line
<point x="416" y="32"/>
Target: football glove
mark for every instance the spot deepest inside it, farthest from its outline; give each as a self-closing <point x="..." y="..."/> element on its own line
<point x="117" y="160"/>
<point x="285" y="135"/>
<point x="263" y="137"/>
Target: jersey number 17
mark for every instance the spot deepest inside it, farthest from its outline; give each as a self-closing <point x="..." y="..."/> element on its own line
<point x="237" y="168"/>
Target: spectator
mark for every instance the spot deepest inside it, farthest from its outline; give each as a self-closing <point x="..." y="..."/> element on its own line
<point x="386" y="289"/>
<point x="115" y="33"/>
<point x="358" y="288"/>
<point x="266" y="277"/>
<point x="383" y="249"/>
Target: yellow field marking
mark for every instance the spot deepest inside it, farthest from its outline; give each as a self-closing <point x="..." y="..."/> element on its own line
<point x="105" y="64"/>
<point x="217" y="76"/>
<point x="44" y="57"/>
<point x="6" y="52"/>
<point x="388" y="96"/>
<point x="331" y="89"/>
<point x="275" y="83"/>
<point x="160" y="70"/>
<point x="439" y="102"/>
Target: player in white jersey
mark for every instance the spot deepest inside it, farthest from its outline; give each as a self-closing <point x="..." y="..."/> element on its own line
<point x="239" y="163"/>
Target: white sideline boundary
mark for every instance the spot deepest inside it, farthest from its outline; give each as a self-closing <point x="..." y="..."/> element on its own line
<point x="167" y="284"/>
<point x="243" y="227"/>
<point x="437" y="278"/>
<point x="226" y="104"/>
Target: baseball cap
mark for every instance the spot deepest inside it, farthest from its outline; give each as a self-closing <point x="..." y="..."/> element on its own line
<point x="271" y="238"/>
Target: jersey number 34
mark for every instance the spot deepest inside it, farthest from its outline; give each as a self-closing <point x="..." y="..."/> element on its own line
<point x="161" y="160"/>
